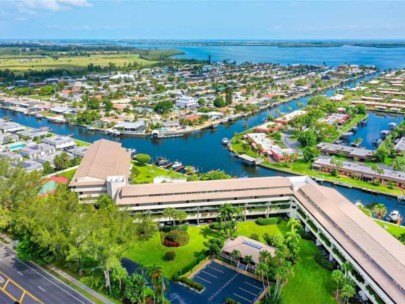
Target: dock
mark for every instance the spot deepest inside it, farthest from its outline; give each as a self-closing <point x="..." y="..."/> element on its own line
<point x="250" y="160"/>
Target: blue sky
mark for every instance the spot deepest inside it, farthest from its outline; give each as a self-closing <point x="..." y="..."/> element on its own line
<point x="201" y="19"/>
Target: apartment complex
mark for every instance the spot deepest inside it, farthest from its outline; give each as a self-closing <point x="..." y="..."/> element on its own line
<point x="378" y="259"/>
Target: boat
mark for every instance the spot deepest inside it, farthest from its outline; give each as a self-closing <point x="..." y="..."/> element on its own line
<point x="377" y="141"/>
<point x="363" y="123"/>
<point x="384" y="133"/>
<point x="132" y="152"/>
<point x="225" y="141"/>
<point x="392" y="125"/>
<point x="90" y="128"/>
<point x="177" y="166"/>
<point x="214" y="126"/>
<point x="394" y="216"/>
<point x="354" y="129"/>
<point x="347" y="134"/>
<point x="114" y="132"/>
<point x="358" y="204"/>
<point x="163" y="162"/>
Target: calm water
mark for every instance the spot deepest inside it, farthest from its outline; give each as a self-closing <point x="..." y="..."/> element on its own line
<point x="205" y="151"/>
<point x="383" y="58"/>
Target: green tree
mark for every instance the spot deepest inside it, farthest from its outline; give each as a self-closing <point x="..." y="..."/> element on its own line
<point x="228" y="96"/>
<point x="47" y="168"/>
<point x="338" y="277"/>
<point x="348" y="292"/>
<point x="145" y="227"/>
<point x="214" y="246"/>
<point x="307" y="138"/>
<point x="108" y="105"/>
<point x="143" y="159"/>
<point x="163" y="107"/>
<point x="155" y="274"/>
<point x="135" y="287"/>
<point x="398" y="164"/>
<point x="380" y="211"/>
<point x="310" y="153"/>
<point x="214" y="175"/>
<point x="62" y="161"/>
<point x="219" y="102"/>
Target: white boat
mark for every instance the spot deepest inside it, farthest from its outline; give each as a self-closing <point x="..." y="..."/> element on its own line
<point x="394" y="216"/>
<point x="177" y="166"/>
<point x="225" y="141"/>
<point x="358" y="204"/>
<point x="392" y="125"/>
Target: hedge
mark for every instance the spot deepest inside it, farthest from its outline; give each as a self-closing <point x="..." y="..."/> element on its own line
<point x="231" y="301"/>
<point x="324" y="262"/>
<point x="267" y="221"/>
<point x="191" y="283"/>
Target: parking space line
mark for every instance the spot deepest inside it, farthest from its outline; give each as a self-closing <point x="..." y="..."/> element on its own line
<point x="254" y="286"/>
<point x="19" y="287"/>
<point x="210" y="274"/>
<point x="20" y="273"/>
<point x="41" y="288"/>
<point x="203" y="279"/>
<point x="216" y="269"/>
<point x="248" y="291"/>
<point x="242" y="297"/>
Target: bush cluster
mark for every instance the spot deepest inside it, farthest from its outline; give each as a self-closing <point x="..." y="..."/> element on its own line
<point x="170" y="256"/>
<point x="191" y="283"/>
<point x="275" y="240"/>
<point x="178" y="236"/>
<point x="324" y="262"/>
<point x="217" y="226"/>
<point x="267" y="221"/>
<point x="231" y="301"/>
<point x="168" y="243"/>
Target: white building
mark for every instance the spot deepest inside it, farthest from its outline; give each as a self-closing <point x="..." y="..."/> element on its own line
<point x="60" y="142"/>
<point x="186" y="102"/>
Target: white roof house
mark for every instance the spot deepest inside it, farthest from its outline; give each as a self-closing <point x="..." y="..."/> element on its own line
<point x="186" y="102"/>
<point x="60" y="142"/>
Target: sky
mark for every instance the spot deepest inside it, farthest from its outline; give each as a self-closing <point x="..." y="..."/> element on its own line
<point x="202" y="19"/>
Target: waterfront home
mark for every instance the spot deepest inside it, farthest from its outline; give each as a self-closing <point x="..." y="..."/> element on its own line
<point x="336" y="118"/>
<point x="11" y="127"/>
<point x="268" y="127"/>
<point x="32" y="133"/>
<point x="11" y="156"/>
<point x="352" y="152"/>
<point x="246" y="247"/>
<point x="360" y="171"/>
<point x="62" y="110"/>
<point x="7" y="138"/>
<point x="288" y="117"/>
<point x="261" y="143"/>
<point x="60" y="142"/>
<point x="131" y="128"/>
<point x="33" y="150"/>
<point x="31" y="165"/>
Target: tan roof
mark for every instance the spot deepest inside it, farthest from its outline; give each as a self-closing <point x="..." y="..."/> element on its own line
<point x="103" y="158"/>
<point x="247" y="247"/>
<point x="377" y="252"/>
<point x="203" y="190"/>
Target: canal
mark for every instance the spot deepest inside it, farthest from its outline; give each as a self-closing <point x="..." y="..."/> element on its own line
<point x="205" y="151"/>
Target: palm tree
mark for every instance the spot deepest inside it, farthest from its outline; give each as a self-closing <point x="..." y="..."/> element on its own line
<point x="380" y="211"/>
<point x="235" y="254"/>
<point x="262" y="270"/>
<point x="155" y="274"/>
<point x="293" y="224"/>
<point x="135" y="286"/>
<point x="248" y="260"/>
<point x="264" y="256"/>
<point x="338" y="277"/>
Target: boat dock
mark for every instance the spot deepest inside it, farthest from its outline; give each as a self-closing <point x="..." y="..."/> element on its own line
<point x="250" y="160"/>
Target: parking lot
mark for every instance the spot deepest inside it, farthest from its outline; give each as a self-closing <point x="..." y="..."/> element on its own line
<point x="11" y="292"/>
<point x="220" y="283"/>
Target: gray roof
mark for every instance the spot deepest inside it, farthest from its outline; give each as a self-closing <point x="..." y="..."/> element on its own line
<point x="350" y="151"/>
<point x="400" y="146"/>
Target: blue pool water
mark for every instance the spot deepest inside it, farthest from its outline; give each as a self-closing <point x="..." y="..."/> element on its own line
<point x="16" y="146"/>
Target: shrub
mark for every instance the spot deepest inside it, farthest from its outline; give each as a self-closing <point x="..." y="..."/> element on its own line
<point x="254" y="236"/>
<point x="191" y="283"/>
<point x="267" y="221"/>
<point x="168" y="243"/>
<point x="306" y="235"/>
<point x="275" y="240"/>
<point x="170" y="256"/>
<point x="183" y="227"/>
<point x="324" y="262"/>
<point x="178" y="236"/>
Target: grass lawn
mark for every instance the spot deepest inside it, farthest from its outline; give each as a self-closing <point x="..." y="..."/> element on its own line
<point x="310" y="283"/>
<point x="81" y="143"/>
<point x="148" y="173"/>
<point x="152" y="251"/>
<point x="248" y="228"/>
<point x="70" y="62"/>
<point x="68" y="174"/>
<point x="394" y="229"/>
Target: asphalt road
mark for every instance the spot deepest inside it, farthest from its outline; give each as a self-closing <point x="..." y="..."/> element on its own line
<point x="31" y="283"/>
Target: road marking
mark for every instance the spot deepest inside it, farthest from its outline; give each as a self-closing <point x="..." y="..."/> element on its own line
<point x="19" y="273"/>
<point x="41" y="288"/>
<point x="216" y="269"/>
<point x="203" y="279"/>
<point x="210" y="274"/>
<point x="253" y="286"/>
<point x="249" y="301"/>
<point x="19" y="287"/>
<point x="248" y="291"/>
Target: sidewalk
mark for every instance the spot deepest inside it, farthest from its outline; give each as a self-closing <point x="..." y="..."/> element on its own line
<point x="61" y="273"/>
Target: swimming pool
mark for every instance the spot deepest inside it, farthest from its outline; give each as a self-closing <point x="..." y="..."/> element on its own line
<point x="16" y="146"/>
<point x="48" y="187"/>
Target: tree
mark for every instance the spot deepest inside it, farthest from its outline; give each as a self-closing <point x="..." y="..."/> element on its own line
<point x="214" y="246"/>
<point x="155" y="274"/>
<point x="201" y="102"/>
<point x="380" y="211"/>
<point x="145" y="227"/>
<point x="47" y="168"/>
<point x="108" y="105"/>
<point x="338" y="277"/>
<point x="219" y="102"/>
<point x="170" y="213"/>
<point x="381" y="153"/>
<point x="135" y="287"/>
<point x="365" y="210"/>
<point x="398" y="164"/>
<point x="228" y="96"/>
<point x="348" y="292"/>
<point x="143" y="159"/>
<point x="62" y="161"/>
<point x="214" y="175"/>
<point x="235" y="254"/>
<point x="307" y="138"/>
<point x="310" y="153"/>
<point x="248" y="260"/>
<point x="163" y="107"/>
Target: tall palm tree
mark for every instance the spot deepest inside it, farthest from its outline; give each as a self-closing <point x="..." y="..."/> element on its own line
<point x="293" y="224"/>
<point x="135" y="287"/>
<point x="235" y="254"/>
<point x="264" y="256"/>
<point x="262" y="270"/>
<point x="248" y="260"/>
<point x="155" y="274"/>
<point x="380" y="211"/>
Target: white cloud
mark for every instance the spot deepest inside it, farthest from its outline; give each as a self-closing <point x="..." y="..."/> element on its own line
<point x="53" y="5"/>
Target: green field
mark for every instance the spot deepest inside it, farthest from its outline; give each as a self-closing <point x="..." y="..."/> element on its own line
<point x="393" y="229"/>
<point x="70" y="62"/>
<point x="148" y="173"/>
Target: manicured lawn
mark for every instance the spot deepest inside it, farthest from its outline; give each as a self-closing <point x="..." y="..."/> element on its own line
<point x="394" y="229"/>
<point x="248" y="228"/>
<point x="81" y="143"/>
<point x="148" y="173"/>
<point x="152" y="252"/>
<point x="310" y="283"/>
<point x="68" y="174"/>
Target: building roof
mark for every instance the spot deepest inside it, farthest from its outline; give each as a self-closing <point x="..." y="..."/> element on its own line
<point x="103" y="158"/>
<point x="203" y="190"/>
<point x="400" y="146"/>
<point x="377" y="252"/>
<point x="247" y="247"/>
<point x="350" y="151"/>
